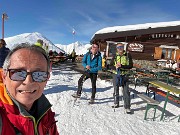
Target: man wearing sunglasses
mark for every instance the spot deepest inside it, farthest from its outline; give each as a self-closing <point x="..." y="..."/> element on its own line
<point x="120" y="64"/>
<point x="92" y="63"/>
<point x="23" y="107"/>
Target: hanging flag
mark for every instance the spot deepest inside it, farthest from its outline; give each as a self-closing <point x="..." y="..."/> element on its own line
<point x="73" y="32"/>
<point x="5" y="16"/>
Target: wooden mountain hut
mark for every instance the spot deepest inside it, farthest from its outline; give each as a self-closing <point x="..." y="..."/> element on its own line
<point x="150" y="41"/>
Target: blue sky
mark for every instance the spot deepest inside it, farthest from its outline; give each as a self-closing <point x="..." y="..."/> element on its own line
<point x="55" y="19"/>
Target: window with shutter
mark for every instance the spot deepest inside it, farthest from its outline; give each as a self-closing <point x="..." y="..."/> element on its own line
<point x="158" y="53"/>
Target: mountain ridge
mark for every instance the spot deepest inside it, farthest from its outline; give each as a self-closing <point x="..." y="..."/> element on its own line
<point x="33" y="37"/>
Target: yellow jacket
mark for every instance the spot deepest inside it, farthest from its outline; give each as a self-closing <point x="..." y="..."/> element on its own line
<point x="38" y="44"/>
<point x="103" y="63"/>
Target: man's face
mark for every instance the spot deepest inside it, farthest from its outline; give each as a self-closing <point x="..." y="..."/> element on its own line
<point x="120" y="48"/>
<point x="27" y="91"/>
<point x="94" y="49"/>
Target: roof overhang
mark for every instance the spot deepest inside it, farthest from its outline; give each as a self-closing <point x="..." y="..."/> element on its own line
<point x="139" y="32"/>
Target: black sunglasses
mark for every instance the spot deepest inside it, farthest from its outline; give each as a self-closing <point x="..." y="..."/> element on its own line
<point x="20" y="75"/>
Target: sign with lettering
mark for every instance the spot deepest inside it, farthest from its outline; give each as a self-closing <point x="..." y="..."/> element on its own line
<point x="162" y="35"/>
<point x="135" y="47"/>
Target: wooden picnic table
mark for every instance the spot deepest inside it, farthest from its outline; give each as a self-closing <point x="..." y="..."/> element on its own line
<point x="174" y="75"/>
<point x="174" y="79"/>
<point x="161" y="74"/>
<point x="168" y="89"/>
<point x="55" y="59"/>
<point x="144" y="74"/>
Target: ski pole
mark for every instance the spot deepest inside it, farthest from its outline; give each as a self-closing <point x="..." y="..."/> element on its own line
<point x="121" y="94"/>
<point x="118" y="83"/>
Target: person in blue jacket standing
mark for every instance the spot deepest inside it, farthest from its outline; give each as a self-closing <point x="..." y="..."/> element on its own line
<point x="92" y="63"/>
<point x="3" y="51"/>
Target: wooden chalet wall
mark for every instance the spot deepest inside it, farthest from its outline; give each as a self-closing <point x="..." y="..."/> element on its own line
<point x="149" y="49"/>
<point x="149" y="42"/>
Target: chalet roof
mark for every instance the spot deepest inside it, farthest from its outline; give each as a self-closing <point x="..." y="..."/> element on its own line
<point x="135" y="30"/>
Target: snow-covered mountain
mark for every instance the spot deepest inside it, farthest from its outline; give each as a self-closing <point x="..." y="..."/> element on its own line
<point x="33" y="37"/>
<point x="30" y="38"/>
<point x="79" y="48"/>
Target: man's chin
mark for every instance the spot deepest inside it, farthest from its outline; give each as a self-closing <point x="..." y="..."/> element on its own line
<point x="27" y="104"/>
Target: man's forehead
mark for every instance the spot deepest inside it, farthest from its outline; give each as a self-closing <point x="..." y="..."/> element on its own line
<point x="21" y="57"/>
<point x="22" y="53"/>
<point x="94" y="45"/>
<point x="20" y="60"/>
<point x="26" y="56"/>
<point x="120" y="44"/>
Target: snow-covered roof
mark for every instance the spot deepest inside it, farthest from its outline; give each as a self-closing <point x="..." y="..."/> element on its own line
<point x="137" y="27"/>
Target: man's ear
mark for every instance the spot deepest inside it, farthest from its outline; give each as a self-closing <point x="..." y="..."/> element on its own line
<point x="3" y="75"/>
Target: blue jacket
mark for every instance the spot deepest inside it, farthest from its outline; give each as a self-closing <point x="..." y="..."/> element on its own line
<point x="95" y="64"/>
<point x="3" y="53"/>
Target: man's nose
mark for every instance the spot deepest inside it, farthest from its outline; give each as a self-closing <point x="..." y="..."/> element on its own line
<point x="28" y="78"/>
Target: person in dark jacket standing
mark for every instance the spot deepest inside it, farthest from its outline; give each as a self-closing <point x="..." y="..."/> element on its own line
<point x="120" y="65"/>
<point x="73" y="55"/>
<point x="24" y="109"/>
<point x="92" y="63"/>
<point x="3" y="51"/>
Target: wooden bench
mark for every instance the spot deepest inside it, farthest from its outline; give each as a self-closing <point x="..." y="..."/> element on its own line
<point x="144" y="74"/>
<point x="174" y="75"/>
<point x="174" y="78"/>
<point x="162" y="93"/>
<point x="143" y="81"/>
<point x="168" y="91"/>
<point x="134" y="92"/>
<point x="162" y="75"/>
<point x="151" y="103"/>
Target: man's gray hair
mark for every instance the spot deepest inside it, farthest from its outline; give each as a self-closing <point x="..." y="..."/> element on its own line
<point x="38" y="49"/>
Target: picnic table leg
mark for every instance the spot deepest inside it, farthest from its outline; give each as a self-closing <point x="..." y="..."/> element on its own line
<point x="165" y="103"/>
<point x="147" y="89"/>
<point x="147" y="108"/>
<point x="167" y="81"/>
<point x="179" y="119"/>
<point x="154" y="112"/>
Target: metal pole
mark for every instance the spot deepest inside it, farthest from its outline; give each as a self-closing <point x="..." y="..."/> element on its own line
<point x="66" y="49"/>
<point x="4" y="16"/>
<point x="74" y="42"/>
<point x="73" y="32"/>
<point x="2" y="26"/>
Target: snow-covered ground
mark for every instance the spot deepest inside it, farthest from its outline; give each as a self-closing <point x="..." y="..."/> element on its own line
<point x="100" y="118"/>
